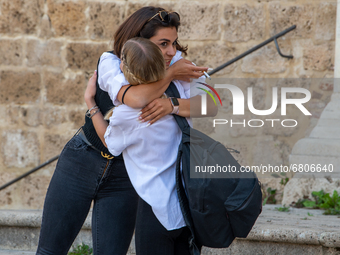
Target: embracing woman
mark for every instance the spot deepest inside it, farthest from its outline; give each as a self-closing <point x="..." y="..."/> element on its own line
<point x="86" y="172"/>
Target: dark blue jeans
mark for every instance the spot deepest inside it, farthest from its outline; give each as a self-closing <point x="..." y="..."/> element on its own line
<point x="81" y="176"/>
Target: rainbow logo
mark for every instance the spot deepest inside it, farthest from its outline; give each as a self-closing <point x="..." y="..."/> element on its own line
<point x="209" y="93"/>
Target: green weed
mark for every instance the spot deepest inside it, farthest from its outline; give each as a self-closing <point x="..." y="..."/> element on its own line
<point x="322" y="200"/>
<point x="282" y="209"/>
<point x="82" y="249"/>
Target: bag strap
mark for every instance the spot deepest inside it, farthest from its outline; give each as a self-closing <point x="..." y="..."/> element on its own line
<point x="182" y="122"/>
<point x="184" y="204"/>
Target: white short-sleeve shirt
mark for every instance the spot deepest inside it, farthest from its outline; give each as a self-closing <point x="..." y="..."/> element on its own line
<point x="150" y="152"/>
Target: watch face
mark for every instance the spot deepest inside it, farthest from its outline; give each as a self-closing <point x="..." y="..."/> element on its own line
<point x="174" y="101"/>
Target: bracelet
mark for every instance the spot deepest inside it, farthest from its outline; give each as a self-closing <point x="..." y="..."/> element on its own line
<point x="94" y="113"/>
<point x="88" y="112"/>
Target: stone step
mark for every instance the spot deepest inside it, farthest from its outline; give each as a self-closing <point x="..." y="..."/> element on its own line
<point x="12" y="252"/>
<point x="19" y="231"/>
<point x="300" y="231"/>
<point x="317" y="147"/>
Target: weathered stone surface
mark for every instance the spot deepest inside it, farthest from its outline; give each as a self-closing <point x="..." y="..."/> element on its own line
<point x="45" y="27"/>
<point x="274" y="184"/>
<point x="20" y="16"/>
<point x="19" y="87"/>
<point x="67" y="18"/>
<point x="6" y="195"/>
<point x="257" y="85"/>
<point x="31" y="116"/>
<point x="205" y="125"/>
<point x="244" y="23"/>
<point x="198" y="21"/>
<point x="54" y="145"/>
<point x="54" y="116"/>
<point x="283" y="17"/>
<point x="212" y="55"/>
<point x="273" y="125"/>
<point x="41" y="53"/>
<point x="84" y="56"/>
<point x="34" y="187"/>
<point x="104" y="19"/>
<point x="280" y="233"/>
<point x="60" y="90"/>
<point x="326" y="129"/>
<point x="4" y="116"/>
<point x="11" y="52"/>
<point x="289" y="83"/>
<point x="319" y="57"/>
<point x="239" y="126"/>
<point x="250" y="248"/>
<point x="316" y="95"/>
<point x="325" y="21"/>
<point x="265" y="60"/>
<point x="24" y="115"/>
<point x="20" y="148"/>
<point x="12" y="114"/>
<point x="327" y="85"/>
<point x="315" y="107"/>
<point x="269" y="152"/>
<point x="77" y="117"/>
<point x="329" y="147"/>
<point x="319" y="166"/>
<point x="299" y="188"/>
<point x="132" y="7"/>
<point x="14" y="238"/>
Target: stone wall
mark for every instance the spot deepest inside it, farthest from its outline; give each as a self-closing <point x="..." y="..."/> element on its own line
<point x="49" y="48"/>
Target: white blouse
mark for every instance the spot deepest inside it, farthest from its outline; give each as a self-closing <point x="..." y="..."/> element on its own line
<point x="149" y="152"/>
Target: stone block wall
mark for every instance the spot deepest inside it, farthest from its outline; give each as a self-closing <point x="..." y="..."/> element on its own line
<point x="49" y="48"/>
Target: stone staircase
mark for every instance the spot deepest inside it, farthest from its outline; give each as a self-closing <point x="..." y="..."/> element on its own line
<point x="297" y="232"/>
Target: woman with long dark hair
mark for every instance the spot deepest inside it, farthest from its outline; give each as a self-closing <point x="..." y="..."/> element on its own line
<point x="86" y="172"/>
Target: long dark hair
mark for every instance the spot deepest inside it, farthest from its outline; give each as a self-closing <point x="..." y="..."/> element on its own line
<point x="137" y="25"/>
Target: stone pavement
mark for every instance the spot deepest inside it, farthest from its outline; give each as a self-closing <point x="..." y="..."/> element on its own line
<point x="288" y="233"/>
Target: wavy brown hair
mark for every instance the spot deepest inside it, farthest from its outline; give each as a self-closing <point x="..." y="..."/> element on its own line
<point x="137" y="25"/>
<point x="143" y="61"/>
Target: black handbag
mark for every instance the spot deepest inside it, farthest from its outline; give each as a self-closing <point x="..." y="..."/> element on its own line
<point x="216" y="210"/>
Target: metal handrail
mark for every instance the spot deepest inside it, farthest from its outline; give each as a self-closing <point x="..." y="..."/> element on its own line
<point x="29" y="172"/>
<point x="273" y="38"/>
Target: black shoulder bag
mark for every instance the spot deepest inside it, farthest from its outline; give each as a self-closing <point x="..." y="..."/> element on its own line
<point x="216" y="210"/>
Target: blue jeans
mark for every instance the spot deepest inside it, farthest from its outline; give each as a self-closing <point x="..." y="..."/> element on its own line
<point x="81" y="176"/>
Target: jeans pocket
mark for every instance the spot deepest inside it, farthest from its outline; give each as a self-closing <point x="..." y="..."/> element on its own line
<point x="76" y="143"/>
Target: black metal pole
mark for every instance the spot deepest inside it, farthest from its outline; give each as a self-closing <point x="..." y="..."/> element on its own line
<point x="252" y="50"/>
<point x="29" y="172"/>
<point x="210" y="73"/>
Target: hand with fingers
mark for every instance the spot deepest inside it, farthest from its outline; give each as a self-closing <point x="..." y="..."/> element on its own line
<point x="155" y="110"/>
<point x="184" y="70"/>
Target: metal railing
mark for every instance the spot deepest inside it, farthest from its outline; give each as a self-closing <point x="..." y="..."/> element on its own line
<point x="273" y="38"/>
<point x="29" y="172"/>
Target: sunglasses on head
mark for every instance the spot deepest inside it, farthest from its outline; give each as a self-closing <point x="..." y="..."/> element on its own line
<point x="164" y="16"/>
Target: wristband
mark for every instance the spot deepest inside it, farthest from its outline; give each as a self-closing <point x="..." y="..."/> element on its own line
<point x="124" y="93"/>
<point x="175" y="105"/>
<point x="88" y="113"/>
